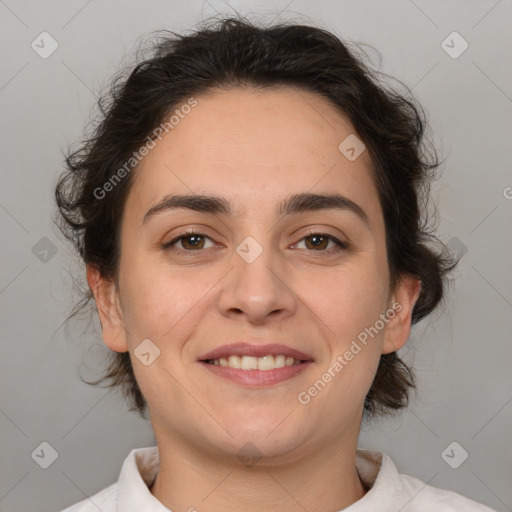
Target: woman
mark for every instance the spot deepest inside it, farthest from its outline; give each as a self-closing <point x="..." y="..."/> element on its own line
<point x="248" y="211"/>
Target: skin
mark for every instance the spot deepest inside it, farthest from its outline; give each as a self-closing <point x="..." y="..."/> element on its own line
<point x="254" y="148"/>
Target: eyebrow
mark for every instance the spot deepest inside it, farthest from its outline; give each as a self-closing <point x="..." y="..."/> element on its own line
<point x="297" y="203"/>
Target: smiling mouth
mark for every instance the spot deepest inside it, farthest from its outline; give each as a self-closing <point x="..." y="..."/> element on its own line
<point x="264" y="363"/>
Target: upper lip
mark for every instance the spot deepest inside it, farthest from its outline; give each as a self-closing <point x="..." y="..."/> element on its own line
<point x="248" y="349"/>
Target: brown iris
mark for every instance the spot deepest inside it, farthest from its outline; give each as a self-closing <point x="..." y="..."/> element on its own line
<point x="322" y="245"/>
<point x="198" y="241"/>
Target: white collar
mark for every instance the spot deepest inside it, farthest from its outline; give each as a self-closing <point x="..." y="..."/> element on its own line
<point x="376" y="470"/>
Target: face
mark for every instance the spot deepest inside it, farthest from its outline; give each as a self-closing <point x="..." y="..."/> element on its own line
<point x="258" y="269"/>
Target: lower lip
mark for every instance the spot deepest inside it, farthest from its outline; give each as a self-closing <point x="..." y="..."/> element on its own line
<point x="257" y="377"/>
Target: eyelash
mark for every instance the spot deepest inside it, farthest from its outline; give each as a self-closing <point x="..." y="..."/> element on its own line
<point x="341" y="246"/>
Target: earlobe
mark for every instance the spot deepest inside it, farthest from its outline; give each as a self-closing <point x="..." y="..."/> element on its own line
<point x="109" y="312"/>
<point x="403" y="300"/>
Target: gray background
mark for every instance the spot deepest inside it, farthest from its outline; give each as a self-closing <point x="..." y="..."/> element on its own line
<point x="461" y="354"/>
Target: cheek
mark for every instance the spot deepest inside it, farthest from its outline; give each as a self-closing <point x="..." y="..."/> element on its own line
<point x="159" y="303"/>
<point x="348" y="299"/>
<point x="348" y="304"/>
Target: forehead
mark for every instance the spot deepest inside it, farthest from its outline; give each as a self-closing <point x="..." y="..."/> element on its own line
<point x="255" y="146"/>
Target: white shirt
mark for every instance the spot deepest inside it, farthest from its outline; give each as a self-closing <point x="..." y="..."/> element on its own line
<point x="389" y="491"/>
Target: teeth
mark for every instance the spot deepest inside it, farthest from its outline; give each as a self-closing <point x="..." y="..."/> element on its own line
<point x="256" y="363"/>
<point x="265" y="363"/>
<point x="249" y="363"/>
<point x="280" y="360"/>
<point x="234" y="361"/>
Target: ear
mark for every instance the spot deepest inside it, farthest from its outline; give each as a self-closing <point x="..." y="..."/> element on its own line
<point x="109" y="310"/>
<point x="402" y="303"/>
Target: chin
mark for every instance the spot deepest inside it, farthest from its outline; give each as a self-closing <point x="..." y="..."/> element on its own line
<point x="270" y="435"/>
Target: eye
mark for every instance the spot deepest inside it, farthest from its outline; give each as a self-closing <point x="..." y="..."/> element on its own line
<point x="190" y="241"/>
<point x="320" y="242"/>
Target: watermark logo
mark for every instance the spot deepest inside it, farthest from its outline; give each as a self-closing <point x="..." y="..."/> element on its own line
<point x="45" y="455"/>
<point x="44" y="250"/>
<point x="146" y="352"/>
<point x="351" y="147"/>
<point x="454" y="455"/>
<point x="456" y="247"/>
<point x="249" y="454"/>
<point x="454" y="45"/>
<point x="249" y="249"/>
<point x="44" y="45"/>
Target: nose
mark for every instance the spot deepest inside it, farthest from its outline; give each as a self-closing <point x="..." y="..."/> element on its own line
<point x="258" y="289"/>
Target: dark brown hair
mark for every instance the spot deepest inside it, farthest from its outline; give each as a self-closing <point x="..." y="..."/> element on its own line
<point x="237" y="53"/>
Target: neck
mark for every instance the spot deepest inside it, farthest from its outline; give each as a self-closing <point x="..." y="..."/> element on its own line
<point x="188" y="480"/>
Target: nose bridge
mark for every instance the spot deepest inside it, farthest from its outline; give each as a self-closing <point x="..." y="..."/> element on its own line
<point x="255" y="286"/>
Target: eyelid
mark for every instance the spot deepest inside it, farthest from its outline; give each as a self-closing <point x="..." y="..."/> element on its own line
<point x="340" y="244"/>
<point x="185" y="234"/>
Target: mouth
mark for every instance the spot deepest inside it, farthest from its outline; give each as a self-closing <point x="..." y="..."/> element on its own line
<point x="256" y="365"/>
<point x="265" y="363"/>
